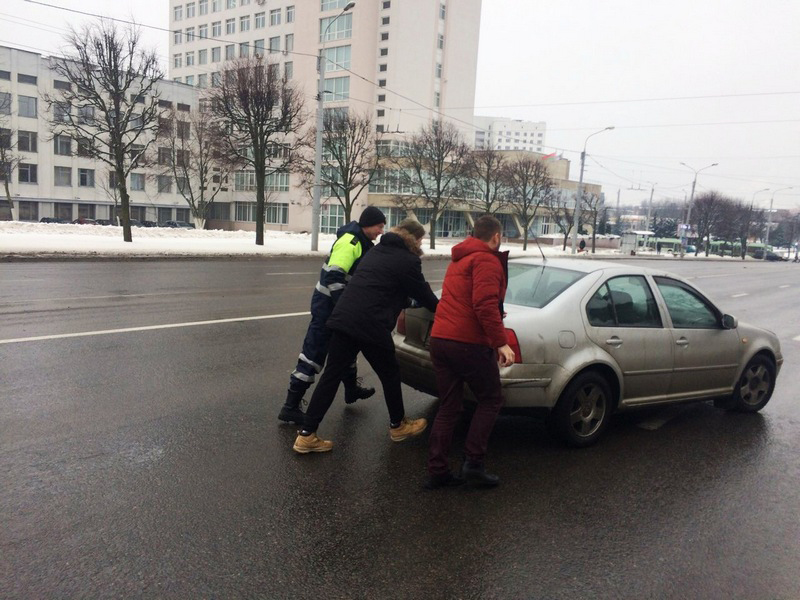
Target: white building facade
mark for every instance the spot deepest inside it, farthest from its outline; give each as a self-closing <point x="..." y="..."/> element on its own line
<point x="509" y="134"/>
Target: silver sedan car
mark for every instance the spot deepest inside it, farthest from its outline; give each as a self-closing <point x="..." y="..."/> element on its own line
<point x="592" y="338"/>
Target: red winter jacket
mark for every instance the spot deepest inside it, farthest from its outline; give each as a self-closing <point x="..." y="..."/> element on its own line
<point x="471" y="307"/>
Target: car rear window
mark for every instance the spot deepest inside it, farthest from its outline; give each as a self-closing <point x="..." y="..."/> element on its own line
<point x="537" y="285"/>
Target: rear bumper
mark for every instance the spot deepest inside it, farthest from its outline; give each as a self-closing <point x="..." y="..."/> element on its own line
<point x="524" y="385"/>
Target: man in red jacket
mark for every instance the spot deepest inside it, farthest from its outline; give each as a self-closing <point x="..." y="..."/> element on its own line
<point x="468" y="340"/>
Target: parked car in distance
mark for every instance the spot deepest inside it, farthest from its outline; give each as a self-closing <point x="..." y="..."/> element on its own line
<point x="136" y="223"/>
<point x="52" y="220"/>
<point x="84" y="221"/>
<point x="593" y="338"/>
<point x="105" y="222"/>
<point x="179" y="224"/>
<point x="149" y="224"/>
<point x="773" y="256"/>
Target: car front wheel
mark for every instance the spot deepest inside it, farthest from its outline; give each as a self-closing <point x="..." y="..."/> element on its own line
<point x="755" y="386"/>
<point x="582" y="412"/>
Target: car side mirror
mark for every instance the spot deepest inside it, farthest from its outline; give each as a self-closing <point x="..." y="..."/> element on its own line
<point x="729" y="322"/>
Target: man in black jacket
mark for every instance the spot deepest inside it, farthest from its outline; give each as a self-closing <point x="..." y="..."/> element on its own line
<point x="363" y="321"/>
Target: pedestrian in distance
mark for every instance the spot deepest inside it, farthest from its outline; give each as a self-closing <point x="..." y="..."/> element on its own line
<point x="582" y="245"/>
<point x="353" y="241"/>
<point x="362" y="321"/>
<point x="468" y="340"/>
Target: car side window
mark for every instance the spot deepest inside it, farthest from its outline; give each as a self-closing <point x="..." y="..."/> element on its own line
<point x="686" y="308"/>
<point x="624" y="302"/>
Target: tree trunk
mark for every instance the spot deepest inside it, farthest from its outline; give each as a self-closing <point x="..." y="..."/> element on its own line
<point x="525" y="240"/>
<point x="126" y="208"/>
<point x="564" y="247"/>
<point x="200" y="222"/>
<point x="433" y="232"/>
<point x="10" y="201"/>
<point x="260" y="206"/>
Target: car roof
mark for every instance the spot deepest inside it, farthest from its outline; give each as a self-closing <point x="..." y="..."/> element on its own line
<point x="583" y="265"/>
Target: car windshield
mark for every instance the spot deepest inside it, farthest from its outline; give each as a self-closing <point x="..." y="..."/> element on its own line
<point x="537" y="285"/>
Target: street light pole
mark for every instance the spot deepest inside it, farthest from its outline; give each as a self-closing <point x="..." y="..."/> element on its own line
<point x="317" y="195"/>
<point x="684" y="240"/>
<point x="769" y="217"/>
<point x="579" y="195"/>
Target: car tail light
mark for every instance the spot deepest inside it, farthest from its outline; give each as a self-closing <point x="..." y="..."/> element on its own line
<point x="514" y="343"/>
<point x="401" y="323"/>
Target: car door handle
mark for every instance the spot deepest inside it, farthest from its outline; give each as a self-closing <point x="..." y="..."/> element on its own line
<point x="682" y="342"/>
<point x="614" y="341"/>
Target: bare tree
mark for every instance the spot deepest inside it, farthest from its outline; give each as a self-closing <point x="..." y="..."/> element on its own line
<point x="261" y="113"/>
<point x="484" y="177"/>
<point x="593" y="204"/>
<point x="9" y="158"/>
<point x="110" y="103"/>
<point x="349" y="157"/>
<point x="561" y="213"/>
<point x="433" y="163"/>
<point x="707" y="212"/>
<point x="195" y="157"/>
<point x="528" y="182"/>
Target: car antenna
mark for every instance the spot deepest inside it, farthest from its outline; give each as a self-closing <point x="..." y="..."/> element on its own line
<point x="544" y="258"/>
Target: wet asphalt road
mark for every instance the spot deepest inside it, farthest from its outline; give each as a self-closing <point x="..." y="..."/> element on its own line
<point x="150" y="463"/>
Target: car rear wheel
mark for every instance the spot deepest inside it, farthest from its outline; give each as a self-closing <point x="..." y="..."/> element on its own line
<point x="582" y="412"/>
<point x="755" y="386"/>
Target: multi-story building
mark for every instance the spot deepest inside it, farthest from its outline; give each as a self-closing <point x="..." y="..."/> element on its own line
<point x="509" y="134"/>
<point x="401" y="62"/>
<point x="52" y="179"/>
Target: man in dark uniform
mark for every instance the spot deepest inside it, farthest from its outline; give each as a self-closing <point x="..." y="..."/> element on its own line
<point x="353" y="242"/>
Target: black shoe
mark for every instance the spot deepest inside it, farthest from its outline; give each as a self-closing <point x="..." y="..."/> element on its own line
<point x="476" y="475"/>
<point x="357" y="393"/>
<point x="291" y="414"/>
<point x="434" y="482"/>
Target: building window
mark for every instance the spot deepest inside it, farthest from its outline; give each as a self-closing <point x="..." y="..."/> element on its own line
<point x="275" y="17"/>
<point x="216" y="5"/>
<point x="384" y="51"/>
<point x="387" y="4"/>
<point x="190" y="59"/>
<point x="26" y="173"/>
<point x="440" y="42"/>
<point x="202" y="57"/>
<point x="288" y="43"/>
<point x="338" y="28"/>
<point x="244" y="23"/>
<point x="164" y="156"/>
<point x="438" y="70"/>
<point x="85" y="177"/>
<point x="31" y="79"/>
<point x="190" y="10"/>
<point x="261" y="20"/>
<point x="27" y="106"/>
<point x="215" y="79"/>
<point x="379" y="128"/>
<point x="442" y="11"/>
<point x="189" y="34"/>
<point x="63" y="176"/>
<point x="216" y="54"/>
<point x="86" y="211"/>
<point x="28" y="211"/>
<point x="277" y="213"/>
<point x="177" y="13"/>
<point x="384" y="36"/>
<point x="381" y="83"/>
<point x="244" y="50"/>
<point x="338" y="89"/>
<point x="382" y="68"/>
<point x="381" y="97"/>
<point x="177" y="36"/>
<point x="230" y="4"/>
<point x="230" y="26"/>
<point x="437" y="99"/>
<point x="288" y="69"/>
<point x="5" y="103"/>
<point x="137" y="182"/>
<point x="290" y="14"/>
<point x="202" y="31"/>
<point x="216" y="29"/>
<point x="331" y="4"/>
<point x="62" y="145"/>
<point x="164" y="184"/>
<point x="244" y="3"/>
<point x="381" y="112"/>
<point x="259" y="47"/>
<point x="331" y="218"/>
<point x="27" y="141"/>
<point x="202" y="5"/>
<point x="230" y="51"/>
<point x="190" y="80"/>
<point x="337" y="58"/>
<point x="384" y="20"/>
<point x="274" y="44"/>
<point x="5" y="75"/>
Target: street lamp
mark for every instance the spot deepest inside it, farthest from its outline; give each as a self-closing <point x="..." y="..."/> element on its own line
<point x="579" y="196"/>
<point x="315" y="205"/>
<point x="691" y="202"/>
<point x="769" y="217"/>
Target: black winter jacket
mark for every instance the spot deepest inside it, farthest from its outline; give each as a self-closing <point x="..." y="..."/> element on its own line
<point x="387" y="277"/>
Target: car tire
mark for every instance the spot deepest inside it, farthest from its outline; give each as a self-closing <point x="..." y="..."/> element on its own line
<point x="755" y="386"/>
<point x="583" y="410"/>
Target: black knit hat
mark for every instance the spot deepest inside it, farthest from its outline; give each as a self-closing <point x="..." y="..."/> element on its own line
<point x="371" y="216"/>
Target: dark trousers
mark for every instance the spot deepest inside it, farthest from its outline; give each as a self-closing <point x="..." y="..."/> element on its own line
<point x="457" y="363"/>
<point x="315" y="350"/>
<point x="342" y="353"/>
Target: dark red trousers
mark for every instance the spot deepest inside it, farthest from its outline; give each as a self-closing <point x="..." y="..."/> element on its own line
<point x="457" y="363"/>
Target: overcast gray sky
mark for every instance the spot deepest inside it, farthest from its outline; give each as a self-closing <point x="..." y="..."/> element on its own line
<point x="582" y="65"/>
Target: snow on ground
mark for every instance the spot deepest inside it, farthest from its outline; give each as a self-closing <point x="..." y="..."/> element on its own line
<point x="54" y="240"/>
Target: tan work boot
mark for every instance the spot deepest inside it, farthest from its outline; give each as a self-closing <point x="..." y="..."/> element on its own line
<point x="311" y="443"/>
<point x="408" y="428"/>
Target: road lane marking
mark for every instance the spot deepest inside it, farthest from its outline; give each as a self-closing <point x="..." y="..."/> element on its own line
<point x="785" y="286"/>
<point x="150" y="328"/>
<point x="740" y="295"/>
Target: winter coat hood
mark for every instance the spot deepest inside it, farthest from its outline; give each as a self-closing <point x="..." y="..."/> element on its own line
<point x="401" y="238"/>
